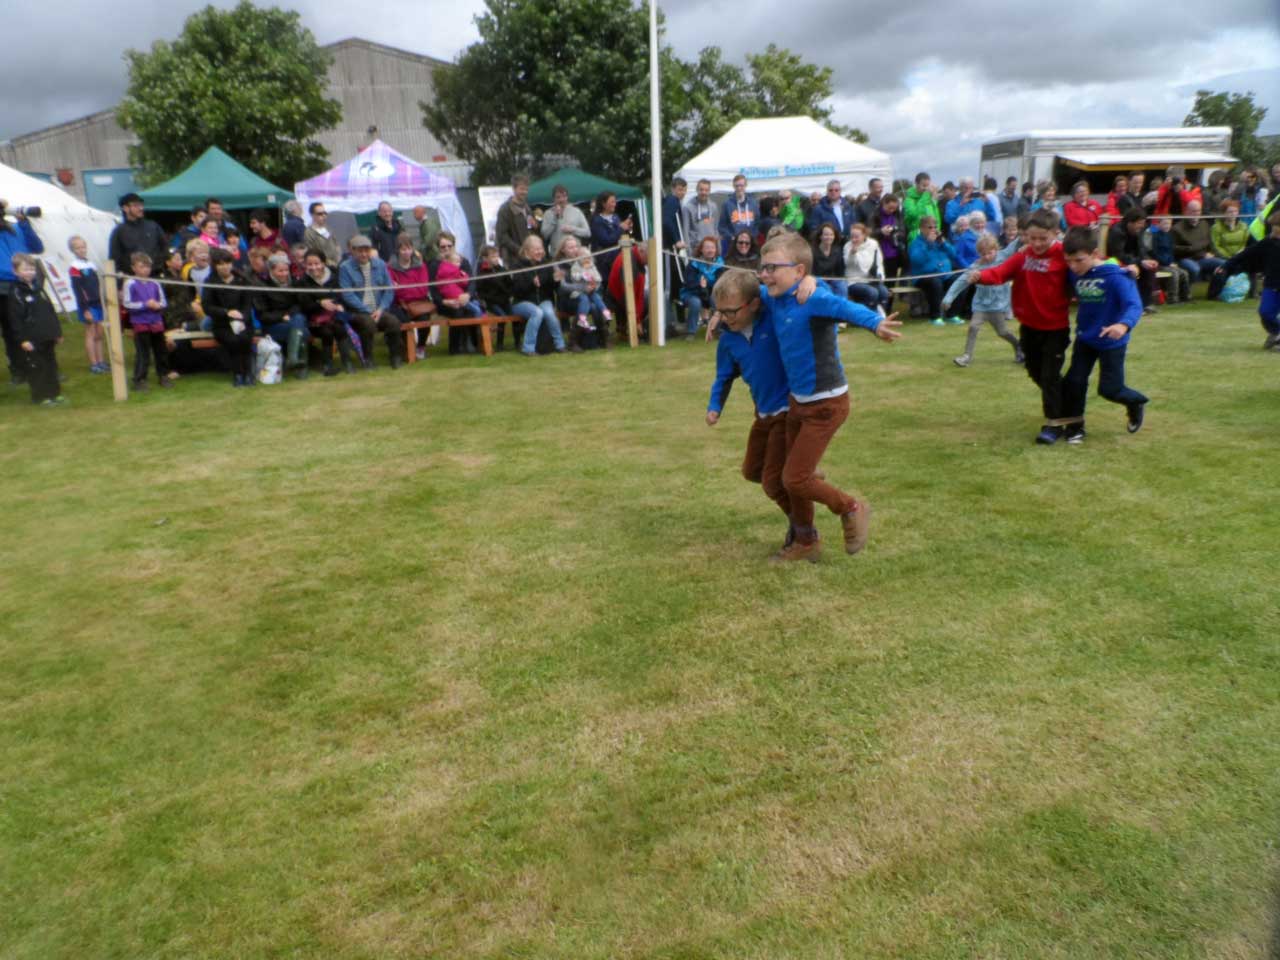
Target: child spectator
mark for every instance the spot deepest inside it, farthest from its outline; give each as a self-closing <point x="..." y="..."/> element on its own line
<point x="990" y="303"/>
<point x="930" y="254"/>
<point x="144" y="299"/>
<point x="178" y="299"/>
<point x="1109" y="309"/>
<point x="230" y="309"/>
<point x="86" y="285"/>
<point x="1263" y="257"/>
<point x="231" y="242"/>
<point x="579" y="294"/>
<point x="495" y="291"/>
<point x="748" y="348"/>
<point x="1012" y="228"/>
<point x="864" y="271"/>
<point x="533" y="289"/>
<point x="33" y="323"/>
<point x="819" y="392"/>
<point x="1177" y="286"/>
<point x="700" y="279"/>
<point x="320" y="301"/>
<point x="1041" y="294"/>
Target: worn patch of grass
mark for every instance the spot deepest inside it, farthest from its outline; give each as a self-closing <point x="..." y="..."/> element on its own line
<point x="481" y="658"/>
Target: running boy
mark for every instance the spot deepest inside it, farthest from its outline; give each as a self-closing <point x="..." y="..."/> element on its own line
<point x="1041" y="294"/>
<point x="1109" y="308"/>
<point x="819" y="401"/>
<point x="990" y="303"/>
<point x="749" y="349"/>
<point x="1263" y="257"/>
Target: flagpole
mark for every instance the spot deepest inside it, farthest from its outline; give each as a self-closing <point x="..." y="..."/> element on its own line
<point x="657" y="267"/>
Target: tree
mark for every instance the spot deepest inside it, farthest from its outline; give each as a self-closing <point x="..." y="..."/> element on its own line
<point x="248" y="80"/>
<point x="1236" y="111"/>
<point x="570" y="78"/>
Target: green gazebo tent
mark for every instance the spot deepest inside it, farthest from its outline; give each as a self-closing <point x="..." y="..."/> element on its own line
<point x="215" y="174"/>
<point x="583" y="187"/>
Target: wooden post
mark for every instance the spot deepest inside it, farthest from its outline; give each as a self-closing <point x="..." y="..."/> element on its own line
<point x="656" y="305"/>
<point x="115" y="339"/>
<point x="633" y="335"/>
<point x="1104" y="227"/>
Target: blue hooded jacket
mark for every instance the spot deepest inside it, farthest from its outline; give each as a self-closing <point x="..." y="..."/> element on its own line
<point x="757" y="361"/>
<point x="807" y="339"/>
<point x="1107" y="295"/>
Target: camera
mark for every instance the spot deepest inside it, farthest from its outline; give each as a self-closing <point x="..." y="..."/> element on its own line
<point x="31" y="213"/>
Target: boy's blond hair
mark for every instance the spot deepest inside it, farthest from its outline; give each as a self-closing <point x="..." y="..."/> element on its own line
<point x="794" y="247"/>
<point x="987" y="242"/>
<point x="23" y="259"/>
<point x="196" y="246"/>
<point x="741" y="282"/>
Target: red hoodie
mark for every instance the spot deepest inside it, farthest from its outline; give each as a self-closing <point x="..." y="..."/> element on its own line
<point x="1041" y="287"/>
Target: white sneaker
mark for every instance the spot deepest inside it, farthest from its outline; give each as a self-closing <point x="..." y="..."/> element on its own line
<point x="962" y="360"/>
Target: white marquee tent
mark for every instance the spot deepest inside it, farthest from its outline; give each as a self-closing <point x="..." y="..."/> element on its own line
<point x="795" y="153"/>
<point x="62" y="216"/>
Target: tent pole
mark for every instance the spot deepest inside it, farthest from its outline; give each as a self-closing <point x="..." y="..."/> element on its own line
<point x="657" y="268"/>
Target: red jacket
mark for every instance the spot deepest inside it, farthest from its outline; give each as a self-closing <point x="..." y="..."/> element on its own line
<point x="1041" y="287"/>
<point x="616" y="285"/>
<point x="1081" y="214"/>
<point x="407" y="281"/>
<point x="1165" y="205"/>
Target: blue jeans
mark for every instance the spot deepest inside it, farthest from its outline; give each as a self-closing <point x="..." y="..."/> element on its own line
<point x="586" y="303"/>
<point x="840" y="288"/>
<point x="279" y="332"/>
<point x="870" y="295"/>
<point x="535" y="314"/>
<point x="1198" y="268"/>
<point x="692" y="310"/>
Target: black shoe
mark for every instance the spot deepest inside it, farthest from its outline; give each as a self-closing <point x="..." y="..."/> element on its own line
<point x="1137" y="411"/>
<point x="330" y="370"/>
<point x="1048" y="436"/>
<point x="395" y="362"/>
<point x="1075" y="434"/>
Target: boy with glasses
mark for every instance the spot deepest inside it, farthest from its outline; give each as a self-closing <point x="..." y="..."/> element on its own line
<point x="819" y="391"/>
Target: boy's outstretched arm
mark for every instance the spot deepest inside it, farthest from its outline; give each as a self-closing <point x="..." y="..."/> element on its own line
<point x="727" y="370"/>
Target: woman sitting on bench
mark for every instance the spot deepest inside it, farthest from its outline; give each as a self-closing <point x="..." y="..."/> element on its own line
<point x="413" y="297"/>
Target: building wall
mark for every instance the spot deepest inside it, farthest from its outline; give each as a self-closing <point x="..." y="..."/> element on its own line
<point x="376" y="85"/>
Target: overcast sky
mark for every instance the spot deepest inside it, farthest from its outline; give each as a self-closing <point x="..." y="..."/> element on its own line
<point x="927" y="84"/>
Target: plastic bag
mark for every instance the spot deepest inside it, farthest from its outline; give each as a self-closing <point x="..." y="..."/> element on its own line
<point x="268" y="362"/>
<point x="1235" y="289"/>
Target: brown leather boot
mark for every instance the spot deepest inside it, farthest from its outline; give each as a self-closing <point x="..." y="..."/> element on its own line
<point x="797" y="550"/>
<point x="856" y="524"/>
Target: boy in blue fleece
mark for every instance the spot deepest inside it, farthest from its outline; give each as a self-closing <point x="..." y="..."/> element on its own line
<point x="1109" y="308"/>
<point x="748" y="348"/>
<point x="819" y="401"/>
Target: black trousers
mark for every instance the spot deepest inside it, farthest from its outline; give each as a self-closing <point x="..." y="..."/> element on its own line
<point x="40" y="366"/>
<point x="1043" y="352"/>
<point x="933" y="290"/>
<point x="239" y="350"/>
<point x="1111" y="385"/>
<point x="18" y="363"/>
<point x="145" y="344"/>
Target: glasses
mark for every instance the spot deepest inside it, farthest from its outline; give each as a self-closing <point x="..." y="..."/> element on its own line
<point x="768" y="269"/>
<point x="745" y="242"/>
<point x="730" y="312"/>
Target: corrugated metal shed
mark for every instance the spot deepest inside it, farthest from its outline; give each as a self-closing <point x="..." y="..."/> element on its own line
<point x="378" y="86"/>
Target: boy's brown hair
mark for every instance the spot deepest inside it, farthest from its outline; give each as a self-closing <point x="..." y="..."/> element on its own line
<point x="23" y="259"/>
<point x="740" y="282"/>
<point x="1044" y="218"/>
<point x="139" y="257"/>
<point x="794" y="247"/>
<point x="1080" y="240"/>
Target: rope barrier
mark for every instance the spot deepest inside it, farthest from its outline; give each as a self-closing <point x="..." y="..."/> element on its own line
<point x="165" y="281"/>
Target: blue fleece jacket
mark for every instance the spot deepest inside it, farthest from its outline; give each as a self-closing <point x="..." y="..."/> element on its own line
<point x="1107" y="295"/>
<point x="976" y="202"/>
<point x="757" y="361"/>
<point x="807" y="339"/>
<point x="20" y="238"/>
<point x="966" y="247"/>
<point x="927" y="257"/>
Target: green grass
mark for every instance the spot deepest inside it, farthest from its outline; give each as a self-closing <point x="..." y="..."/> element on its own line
<point x="482" y="659"/>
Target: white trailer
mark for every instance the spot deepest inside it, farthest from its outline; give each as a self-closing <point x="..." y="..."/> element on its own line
<point x="1065" y="156"/>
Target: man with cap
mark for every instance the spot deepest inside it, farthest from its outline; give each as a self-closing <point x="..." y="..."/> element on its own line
<point x="136" y="234"/>
<point x="369" y="308"/>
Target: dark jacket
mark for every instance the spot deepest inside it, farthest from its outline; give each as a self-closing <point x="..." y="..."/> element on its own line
<point x="495" y="292"/>
<point x="309" y="293"/>
<point x="1262" y="256"/>
<point x="829" y="265"/>
<point x="671" y="225"/>
<point x="514" y="224"/>
<point x="293" y="230"/>
<point x="32" y="317"/>
<point x="221" y="297"/>
<point x="824" y="211"/>
<point x="1126" y="248"/>
<point x="178" y="298"/>
<point x="867" y="209"/>
<point x="522" y="285"/>
<point x="274" y="306"/>
<point x="137" y="236"/>
<point x="384" y="237"/>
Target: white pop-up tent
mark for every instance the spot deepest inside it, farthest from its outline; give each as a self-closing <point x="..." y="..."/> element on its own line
<point x="378" y="173"/>
<point x="62" y="216"/>
<point x="794" y="153"/>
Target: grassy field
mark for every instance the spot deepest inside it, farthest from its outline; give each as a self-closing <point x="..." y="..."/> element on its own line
<point x="482" y="659"/>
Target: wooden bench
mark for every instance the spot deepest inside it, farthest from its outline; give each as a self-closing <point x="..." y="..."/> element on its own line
<point x="484" y="322"/>
<point x="912" y="295"/>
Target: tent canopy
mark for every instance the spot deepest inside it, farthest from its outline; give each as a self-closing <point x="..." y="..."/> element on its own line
<point x="215" y="174"/>
<point x="582" y="186"/>
<point x="378" y="173"/>
<point x="62" y="217"/>
<point x="795" y="153"/>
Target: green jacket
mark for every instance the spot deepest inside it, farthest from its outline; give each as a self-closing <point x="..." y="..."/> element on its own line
<point x="1258" y="229"/>
<point x="1228" y="242"/>
<point x="428" y="231"/>
<point x="916" y="205"/>
<point x="792" y="215"/>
